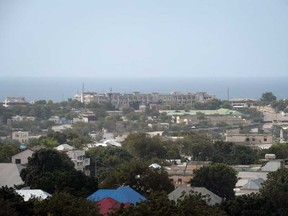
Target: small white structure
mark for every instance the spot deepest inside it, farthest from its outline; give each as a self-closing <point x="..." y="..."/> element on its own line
<point x="270" y="156"/>
<point x="155" y="166"/>
<point x="28" y="194"/>
<point x="60" y="128"/>
<point x="112" y="143"/>
<point x="64" y="147"/>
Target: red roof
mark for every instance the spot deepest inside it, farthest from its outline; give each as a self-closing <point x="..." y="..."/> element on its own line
<point x="108" y="205"/>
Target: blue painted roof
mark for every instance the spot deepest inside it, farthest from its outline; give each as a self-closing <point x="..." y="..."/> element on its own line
<point x="122" y="194"/>
<point x="22" y="147"/>
<point x="126" y="194"/>
<point x="100" y="194"/>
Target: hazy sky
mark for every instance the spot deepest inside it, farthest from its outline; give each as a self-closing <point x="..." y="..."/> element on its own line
<point x="142" y="38"/>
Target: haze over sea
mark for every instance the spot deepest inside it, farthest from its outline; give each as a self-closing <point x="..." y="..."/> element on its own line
<point x="61" y="88"/>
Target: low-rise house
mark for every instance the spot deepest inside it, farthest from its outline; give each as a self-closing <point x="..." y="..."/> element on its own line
<point x="249" y="139"/>
<point x="181" y="192"/>
<point x="59" y="128"/>
<point x="155" y="133"/>
<point x="251" y="177"/>
<point x="19" y="118"/>
<point x="239" y="105"/>
<point x="54" y="119"/>
<point x="252" y="186"/>
<point x="78" y="157"/>
<point x="21" y="136"/>
<point x="81" y="162"/>
<point x="180" y="175"/>
<point x="22" y="157"/>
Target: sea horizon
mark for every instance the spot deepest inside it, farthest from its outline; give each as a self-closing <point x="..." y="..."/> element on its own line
<point x="61" y="88"/>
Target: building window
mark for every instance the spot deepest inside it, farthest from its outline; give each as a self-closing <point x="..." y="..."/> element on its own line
<point x="247" y="139"/>
<point x="18" y="161"/>
<point x="265" y="139"/>
<point x="253" y="139"/>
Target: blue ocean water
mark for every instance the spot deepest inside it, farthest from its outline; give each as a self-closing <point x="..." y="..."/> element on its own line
<point x="61" y="88"/>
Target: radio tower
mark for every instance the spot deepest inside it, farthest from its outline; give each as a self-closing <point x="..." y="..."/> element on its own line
<point x="228" y="95"/>
<point x="82" y="93"/>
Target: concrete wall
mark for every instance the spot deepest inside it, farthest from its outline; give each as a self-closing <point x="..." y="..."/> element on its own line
<point x="22" y="156"/>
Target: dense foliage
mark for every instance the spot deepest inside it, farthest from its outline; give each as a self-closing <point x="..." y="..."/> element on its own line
<point x="219" y="178"/>
<point x="52" y="171"/>
<point x="138" y="175"/>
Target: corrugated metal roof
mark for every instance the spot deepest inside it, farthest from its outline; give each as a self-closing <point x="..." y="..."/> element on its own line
<point x="100" y="194"/>
<point x="33" y="193"/>
<point x="122" y="194"/>
<point x="254" y="184"/>
<point x="108" y="205"/>
<point x="180" y="191"/>
<point x="10" y="174"/>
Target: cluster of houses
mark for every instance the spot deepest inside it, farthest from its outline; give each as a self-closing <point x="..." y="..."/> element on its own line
<point x="250" y="177"/>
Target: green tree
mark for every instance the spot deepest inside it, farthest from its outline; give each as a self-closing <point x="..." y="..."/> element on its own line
<point x="53" y="171"/>
<point x="14" y="204"/>
<point x="231" y="153"/>
<point x="65" y="204"/>
<point x="275" y="189"/>
<point x="107" y="160"/>
<point x="198" y="146"/>
<point x="157" y="204"/>
<point x="43" y="161"/>
<point x="7" y="151"/>
<point x="219" y="178"/>
<point x="279" y="149"/>
<point x="142" y="146"/>
<point x="194" y="204"/>
<point x="252" y="204"/>
<point x="163" y="117"/>
<point x="200" y="116"/>
<point x="138" y="175"/>
<point x="268" y="97"/>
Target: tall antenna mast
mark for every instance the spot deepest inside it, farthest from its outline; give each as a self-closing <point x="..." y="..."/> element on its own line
<point x="228" y="94"/>
<point x="82" y="93"/>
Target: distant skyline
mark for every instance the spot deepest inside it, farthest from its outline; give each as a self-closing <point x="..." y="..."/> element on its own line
<point x="167" y="38"/>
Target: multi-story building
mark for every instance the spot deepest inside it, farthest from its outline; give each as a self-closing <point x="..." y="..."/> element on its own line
<point x="21" y="136"/>
<point x="13" y="101"/>
<point x="125" y="100"/>
<point x="81" y="162"/>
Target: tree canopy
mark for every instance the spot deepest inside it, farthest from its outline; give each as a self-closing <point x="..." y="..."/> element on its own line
<point x="275" y="189"/>
<point x="65" y="204"/>
<point x="268" y="97"/>
<point x="138" y="175"/>
<point x="53" y="171"/>
<point x="231" y="153"/>
<point x="219" y="178"/>
<point x="142" y="146"/>
<point x="107" y="159"/>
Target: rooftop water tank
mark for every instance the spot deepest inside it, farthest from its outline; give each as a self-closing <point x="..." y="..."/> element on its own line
<point x="270" y="156"/>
